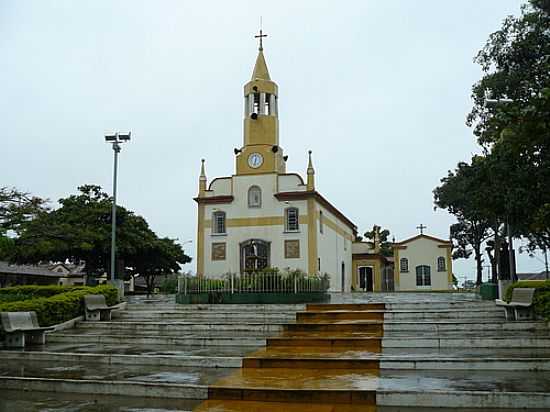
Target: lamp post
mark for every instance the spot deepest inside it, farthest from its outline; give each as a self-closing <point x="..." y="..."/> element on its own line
<point x="115" y="139"/>
<point x="511" y="255"/>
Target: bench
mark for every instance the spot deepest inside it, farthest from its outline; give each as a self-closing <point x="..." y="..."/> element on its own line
<point x="22" y="328"/>
<point x="520" y="306"/>
<point x="95" y="308"/>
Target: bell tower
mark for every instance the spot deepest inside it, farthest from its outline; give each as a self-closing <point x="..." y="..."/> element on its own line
<point x="261" y="152"/>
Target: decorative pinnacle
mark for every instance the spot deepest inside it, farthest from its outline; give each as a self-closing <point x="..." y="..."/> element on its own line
<point x="203" y="173"/>
<point x="310" y="163"/>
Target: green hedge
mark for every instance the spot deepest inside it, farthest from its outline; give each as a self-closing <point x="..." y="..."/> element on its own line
<point x="541" y="300"/>
<point x="61" y="306"/>
<point x="17" y="293"/>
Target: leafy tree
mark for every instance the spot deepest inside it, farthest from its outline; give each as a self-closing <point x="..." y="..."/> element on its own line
<point x="380" y="238"/>
<point x="516" y="134"/>
<point x="465" y="194"/>
<point x="17" y="207"/>
<point x="80" y="231"/>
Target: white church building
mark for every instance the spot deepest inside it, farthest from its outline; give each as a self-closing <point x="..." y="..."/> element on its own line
<point x="265" y="217"/>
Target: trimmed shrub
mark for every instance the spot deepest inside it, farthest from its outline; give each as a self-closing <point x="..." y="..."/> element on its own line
<point x="541" y="300"/>
<point x="61" y="306"/>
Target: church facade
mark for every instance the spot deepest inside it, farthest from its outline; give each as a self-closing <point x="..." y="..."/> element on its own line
<point x="263" y="216"/>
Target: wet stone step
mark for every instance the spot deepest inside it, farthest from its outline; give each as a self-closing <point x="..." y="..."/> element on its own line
<point x="20" y="401"/>
<point x="465" y="342"/>
<point x="157" y="340"/>
<point x="133" y="373"/>
<point x="182" y="333"/>
<point x="133" y="348"/>
<point x="182" y="326"/>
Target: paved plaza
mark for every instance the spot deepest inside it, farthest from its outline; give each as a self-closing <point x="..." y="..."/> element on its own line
<point x="369" y="352"/>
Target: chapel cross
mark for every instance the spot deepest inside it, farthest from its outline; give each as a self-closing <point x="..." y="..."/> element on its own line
<point x="421" y="228"/>
<point x="260" y="36"/>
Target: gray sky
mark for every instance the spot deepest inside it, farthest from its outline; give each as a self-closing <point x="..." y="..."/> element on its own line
<point x="379" y="90"/>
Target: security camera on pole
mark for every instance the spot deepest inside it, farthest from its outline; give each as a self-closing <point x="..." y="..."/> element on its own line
<point x="115" y="139"/>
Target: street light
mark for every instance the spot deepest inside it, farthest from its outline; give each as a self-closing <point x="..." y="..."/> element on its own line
<point x="489" y="102"/>
<point x="115" y="139"/>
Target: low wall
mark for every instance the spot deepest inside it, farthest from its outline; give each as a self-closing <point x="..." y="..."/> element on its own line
<point x="253" y="298"/>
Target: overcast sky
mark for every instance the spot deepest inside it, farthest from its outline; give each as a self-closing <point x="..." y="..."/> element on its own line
<point x="379" y="90"/>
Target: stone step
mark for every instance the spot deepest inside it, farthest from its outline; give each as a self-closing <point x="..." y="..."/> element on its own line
<point x="323" y="307"/>
<point x="361" y="326"/>
<point x="259" y="406"/>
<point x="21" y="401"/>
<point x="181" y="333"/>
<point x="412" y="341"/>
<point x="434" y="316"/>
<point x="209" y="316"/>
<point x="371" y="343"/>
<point x="297" y="385"/>
<point x="462" y="326"/>
<point x="336" y="316"/>
<point x="142" y="350"/>
<point x="155" y="340"/>
<point x="193" y="377"/>
<point x="217" y="308"/>
<point x="205" y="361"/>
<point x="456" y="388"/>
<point x="182" y="326"/>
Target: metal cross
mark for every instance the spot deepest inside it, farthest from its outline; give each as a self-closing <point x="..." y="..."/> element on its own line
<point x="260" y="36"/>
<point x="421" y="228"/>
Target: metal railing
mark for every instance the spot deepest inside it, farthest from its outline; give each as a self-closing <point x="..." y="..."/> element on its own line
<point x="264" y="282"/>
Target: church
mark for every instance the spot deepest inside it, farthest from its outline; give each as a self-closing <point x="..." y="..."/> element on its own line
<point x="264" y="216"/>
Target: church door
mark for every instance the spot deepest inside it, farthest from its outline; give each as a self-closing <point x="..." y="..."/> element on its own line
<point x="366" y="278"/>
<point x="255" y="255"/>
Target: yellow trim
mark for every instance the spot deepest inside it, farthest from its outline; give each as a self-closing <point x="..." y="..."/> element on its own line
<point x="449" y="267"/>
<point x="256" y="221"/>
<point x="396" y="269"/>
<point x="376" y="271"/>
<point x="312" y="237"/>
<point x="200" y="240"/>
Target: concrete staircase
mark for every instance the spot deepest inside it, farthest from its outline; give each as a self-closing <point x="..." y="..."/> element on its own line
<point x="384" y="353"/>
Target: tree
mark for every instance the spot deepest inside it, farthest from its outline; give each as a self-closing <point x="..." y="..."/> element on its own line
<point x="80" y="231"/>
<point x="160" y="257"/>
<point x="516" y="135"/>
<point x="17" y="207"/>
<point x="378" y="238"/>
<point x="464" y="193"/>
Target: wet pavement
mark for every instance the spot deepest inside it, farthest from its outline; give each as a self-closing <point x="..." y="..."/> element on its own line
<point x="141" y="373"/>
<point x="301" y="364"/>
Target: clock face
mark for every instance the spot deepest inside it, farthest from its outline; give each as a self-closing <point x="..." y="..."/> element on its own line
<point x="255" y="160"/>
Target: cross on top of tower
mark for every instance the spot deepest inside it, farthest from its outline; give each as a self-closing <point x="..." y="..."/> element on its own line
<point x="421" y="228"/>
<point x="260" y="36"/>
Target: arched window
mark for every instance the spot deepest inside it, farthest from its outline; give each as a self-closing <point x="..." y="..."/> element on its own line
<point x="404" y="265"/>
<point x="291" y="220"/>
<point x="441" y="264"/>
<point x="423" y="276"/>
<point x="218" y="223"/>
<point x="254" y="197"/>
<point x="321" y="223"/>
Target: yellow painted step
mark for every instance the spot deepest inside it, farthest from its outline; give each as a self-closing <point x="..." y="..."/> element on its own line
<point x="254" y="406"/>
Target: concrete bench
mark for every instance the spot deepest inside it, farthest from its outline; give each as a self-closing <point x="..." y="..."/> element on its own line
<point x="22" y="328"/>
<point x="520" y="306"/>
<point x="95" y="308"/>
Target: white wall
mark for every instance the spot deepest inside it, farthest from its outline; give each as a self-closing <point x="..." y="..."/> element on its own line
<point x="423" y="251"/>
<point x="238" y="209"/>
<point x="333" y="249"/>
